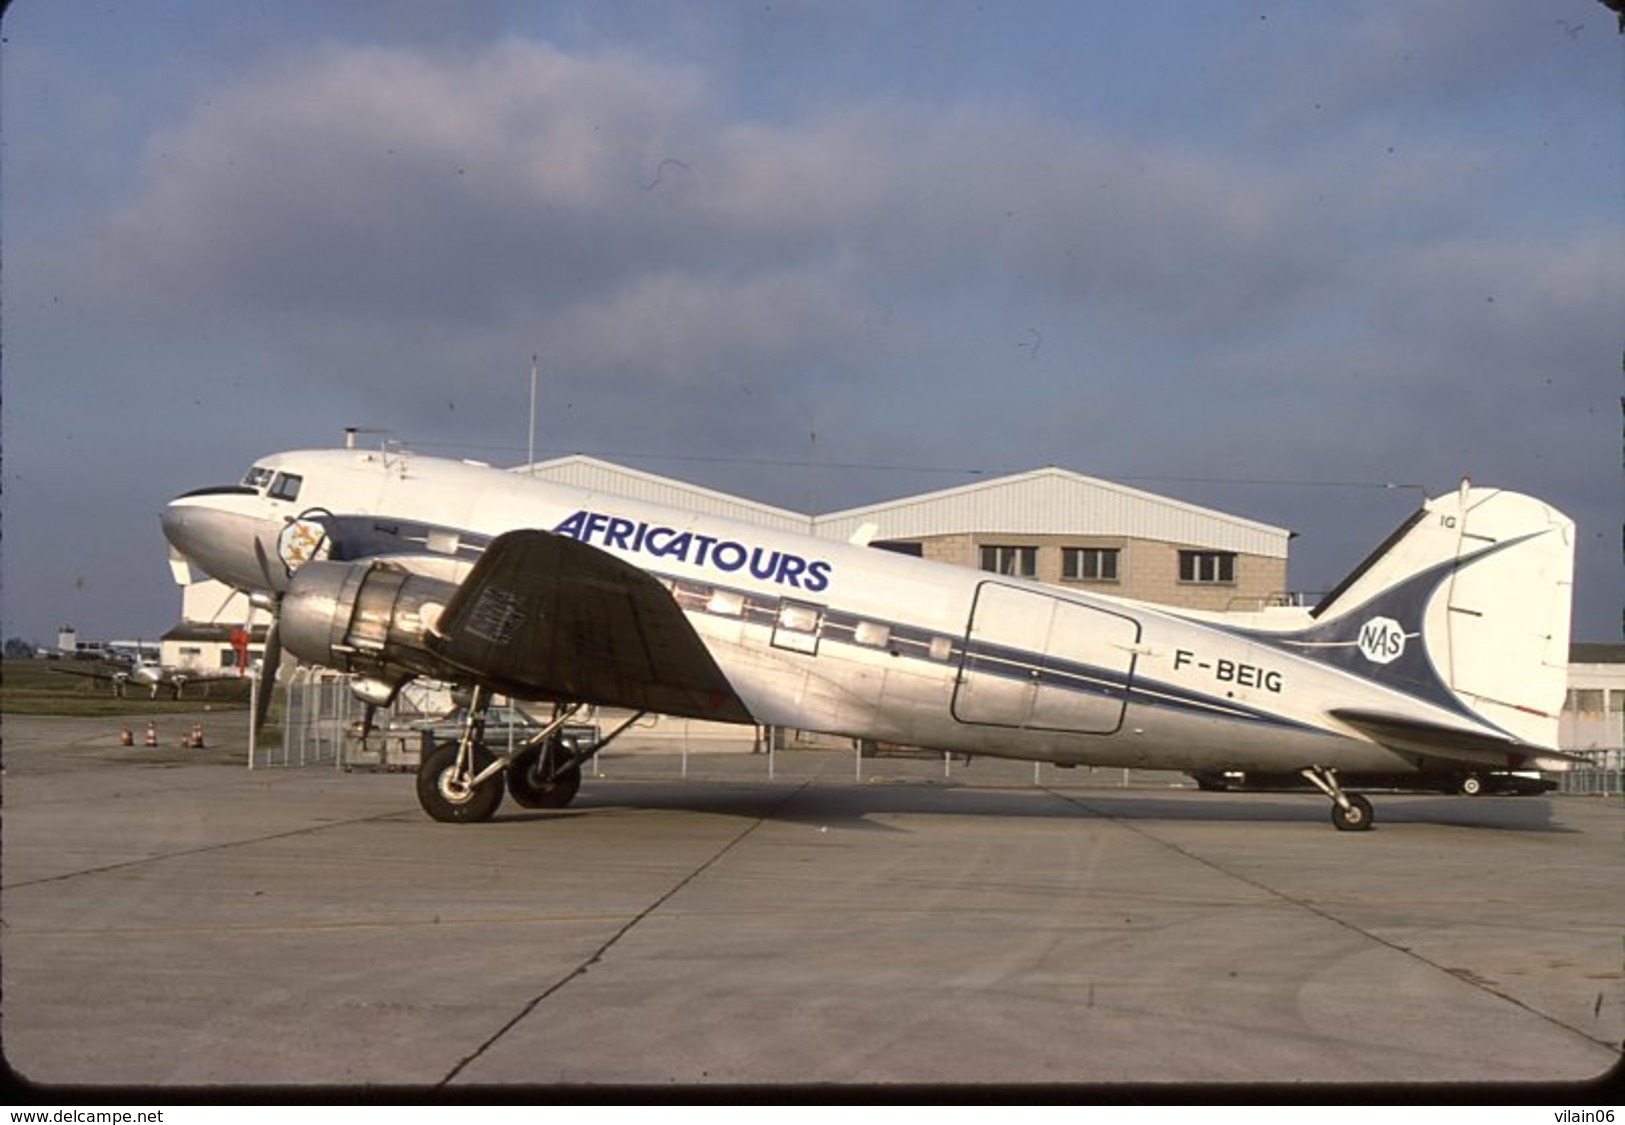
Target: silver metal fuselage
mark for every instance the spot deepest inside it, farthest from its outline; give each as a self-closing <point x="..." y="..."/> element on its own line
<point x="833" y="637"/>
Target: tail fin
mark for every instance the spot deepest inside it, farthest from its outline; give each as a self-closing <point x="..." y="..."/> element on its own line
<point x="1467" y="605"/>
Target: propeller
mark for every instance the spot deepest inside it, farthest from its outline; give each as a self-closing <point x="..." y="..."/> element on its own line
<point x="270" y="662"/>
<point x="302" y="550"/>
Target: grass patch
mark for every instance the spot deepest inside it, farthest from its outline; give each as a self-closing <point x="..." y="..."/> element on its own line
<point x="30" y="687"/>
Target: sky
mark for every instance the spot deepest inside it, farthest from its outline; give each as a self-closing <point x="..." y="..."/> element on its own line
<point x="1300" y="262"/>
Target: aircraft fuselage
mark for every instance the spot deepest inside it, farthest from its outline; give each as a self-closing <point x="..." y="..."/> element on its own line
<point x="829" y="636"/>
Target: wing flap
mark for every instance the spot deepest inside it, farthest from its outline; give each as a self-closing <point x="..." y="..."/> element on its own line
<point x="1440" y="742"/>
<point x="542" y="616"/>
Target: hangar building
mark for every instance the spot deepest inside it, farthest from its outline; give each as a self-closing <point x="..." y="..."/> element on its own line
<point x="1050" y="524"/>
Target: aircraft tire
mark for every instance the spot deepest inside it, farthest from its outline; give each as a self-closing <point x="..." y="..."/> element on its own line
<point x="445" y="803"/>
<point x="531" y="788"/>
<point x="1471" y="786"/>
<point x="1356" y="818"/>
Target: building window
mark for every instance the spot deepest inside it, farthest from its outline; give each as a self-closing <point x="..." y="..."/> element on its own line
<point x="1017" y="562"/>
<point x="1089" y="564"/>
<point x="1586" y="700"/>
<point x="1211" y="567"/>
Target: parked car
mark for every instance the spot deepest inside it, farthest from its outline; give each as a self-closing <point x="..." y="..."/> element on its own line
<point x="504" y="726"/>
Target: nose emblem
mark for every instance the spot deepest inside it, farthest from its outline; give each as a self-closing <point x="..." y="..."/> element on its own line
<point x="301" y="541"/>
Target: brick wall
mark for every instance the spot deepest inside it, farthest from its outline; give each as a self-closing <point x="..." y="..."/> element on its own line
<point x="1148" y="570"/>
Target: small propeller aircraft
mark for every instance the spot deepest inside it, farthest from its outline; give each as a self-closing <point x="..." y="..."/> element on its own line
<point x="149" y="674"/>
<point x="1443" y="654"/>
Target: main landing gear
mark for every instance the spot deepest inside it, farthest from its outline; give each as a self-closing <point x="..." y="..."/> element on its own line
<point x="1350" y="811"/>
<point x="462" y="781"/>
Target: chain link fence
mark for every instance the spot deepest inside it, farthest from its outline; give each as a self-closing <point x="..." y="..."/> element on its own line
<point x="1603" y="776"/>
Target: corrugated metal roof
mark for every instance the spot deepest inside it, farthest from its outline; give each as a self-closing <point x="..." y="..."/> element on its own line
<point x="1046" y="501"/>
<point x="1054" y="501"/>
<point x="590" y="473"/>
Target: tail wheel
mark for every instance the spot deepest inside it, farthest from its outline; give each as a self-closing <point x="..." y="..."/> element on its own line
<point x="1356" y="818"/>
<point x="533" y="782"/>
<point x="446" y="797"/>
<point x="1471" y="785"/>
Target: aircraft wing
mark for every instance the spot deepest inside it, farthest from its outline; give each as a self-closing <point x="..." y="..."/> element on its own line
<point x="189" y="678"/>
<point x="542" y="616"/>
<point x="101" y="674"/>
<point x="1441" y="743"/>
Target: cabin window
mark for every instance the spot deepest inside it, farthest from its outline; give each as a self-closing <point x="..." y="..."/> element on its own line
<point x="286" y="486"/>
<point x="1089" y="564"/>
<point x="799" y="618"/>
<point x="797" y="627"/>
<point x="1016" y="562"/>
<point x="726" y="603"/>
<point x="1207" y="567"/>
<point x="872" y="634"/>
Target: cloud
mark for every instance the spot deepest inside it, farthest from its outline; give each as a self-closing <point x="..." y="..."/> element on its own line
<point x="478" y="186"/>
<point x="384" y="235"/>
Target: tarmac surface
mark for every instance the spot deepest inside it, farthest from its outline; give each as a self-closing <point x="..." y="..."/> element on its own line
<point x="171" y="919"/>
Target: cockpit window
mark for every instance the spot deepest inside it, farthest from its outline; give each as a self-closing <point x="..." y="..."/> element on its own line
<point x="257" y="477"/>
<point x="286" y="487"/>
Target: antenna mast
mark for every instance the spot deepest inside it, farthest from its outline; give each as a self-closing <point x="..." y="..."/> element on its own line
<point x="530" y="448"/>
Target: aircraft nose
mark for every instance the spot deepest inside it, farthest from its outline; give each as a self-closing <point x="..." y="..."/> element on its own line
<point x="218" y="532"/>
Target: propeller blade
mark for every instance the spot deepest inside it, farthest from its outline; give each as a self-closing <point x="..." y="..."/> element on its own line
<point x="269" y="664"/>
<point x="264" y="563"/>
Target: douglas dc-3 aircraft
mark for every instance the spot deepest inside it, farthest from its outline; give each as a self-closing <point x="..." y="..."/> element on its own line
<point x="1443" y="653"/>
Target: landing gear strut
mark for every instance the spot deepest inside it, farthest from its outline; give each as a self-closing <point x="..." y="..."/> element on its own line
<point x="1350" y="811"/>
<point x="462" y="781"/>
<point x="458" y="781"/>
<point x="544" y="774"/>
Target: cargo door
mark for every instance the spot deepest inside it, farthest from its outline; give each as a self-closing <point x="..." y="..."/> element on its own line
<point x="1038" y="662"/>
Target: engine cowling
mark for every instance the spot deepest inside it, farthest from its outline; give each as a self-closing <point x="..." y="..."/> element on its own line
<point x="372" y="620"/>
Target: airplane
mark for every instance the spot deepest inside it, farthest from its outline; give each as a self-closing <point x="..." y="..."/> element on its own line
<point x="1443" y="654"/>
<point x="147" y="673"/>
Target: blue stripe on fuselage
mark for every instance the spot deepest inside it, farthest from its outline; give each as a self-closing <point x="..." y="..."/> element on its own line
<point x="356" y="538"/>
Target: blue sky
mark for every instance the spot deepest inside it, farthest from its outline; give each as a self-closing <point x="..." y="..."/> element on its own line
<point x="1264" y="256"/>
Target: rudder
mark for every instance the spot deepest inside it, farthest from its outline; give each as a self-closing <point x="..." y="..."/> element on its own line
<point x="1467" y="605"/>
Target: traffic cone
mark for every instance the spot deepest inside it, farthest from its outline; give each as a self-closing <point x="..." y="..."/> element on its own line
<point x="125" y="738"/>
<point x="196" y="741"/>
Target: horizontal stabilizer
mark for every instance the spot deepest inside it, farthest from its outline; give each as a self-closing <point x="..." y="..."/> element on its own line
<point x="542" y="616"/>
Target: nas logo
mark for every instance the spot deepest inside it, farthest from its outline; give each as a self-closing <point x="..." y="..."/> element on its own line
<point x="301" y="541"/>
<point x="1382" y="640"/>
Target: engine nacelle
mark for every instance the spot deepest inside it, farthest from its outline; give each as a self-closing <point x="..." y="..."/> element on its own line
<point x="369" y="619"/>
